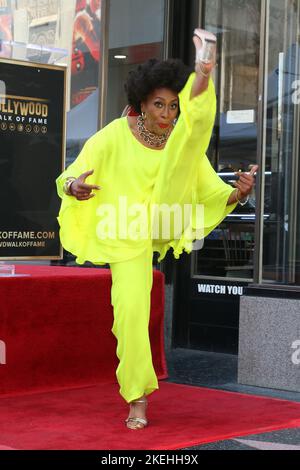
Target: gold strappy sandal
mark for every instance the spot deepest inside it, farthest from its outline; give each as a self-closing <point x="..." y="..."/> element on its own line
<point x="206" y="53"/>
<point x="137" y="423"/>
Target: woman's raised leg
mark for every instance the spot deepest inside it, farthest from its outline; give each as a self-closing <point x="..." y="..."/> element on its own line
<point x="130" y="297"/>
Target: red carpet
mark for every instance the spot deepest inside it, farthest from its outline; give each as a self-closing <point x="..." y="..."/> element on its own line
<point x="56" y="325"/>
<point x="179" y="416"/>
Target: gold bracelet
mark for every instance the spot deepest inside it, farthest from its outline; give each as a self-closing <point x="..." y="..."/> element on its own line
<point x="239" y="201"/>
<point x="67" y="185"/>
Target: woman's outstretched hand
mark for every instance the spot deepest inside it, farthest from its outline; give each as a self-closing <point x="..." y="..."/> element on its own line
<point x="81" y="190"/>
<point x="245" y="182"/>
<point x="244" y="186"/>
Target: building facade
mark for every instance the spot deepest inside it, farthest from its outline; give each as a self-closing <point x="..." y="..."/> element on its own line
<point x="258" y="91"/>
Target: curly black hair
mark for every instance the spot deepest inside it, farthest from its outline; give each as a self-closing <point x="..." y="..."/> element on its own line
<point x="153" y="74"/>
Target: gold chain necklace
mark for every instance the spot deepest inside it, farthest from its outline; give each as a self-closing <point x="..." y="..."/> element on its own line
<point x="149" y="137"/>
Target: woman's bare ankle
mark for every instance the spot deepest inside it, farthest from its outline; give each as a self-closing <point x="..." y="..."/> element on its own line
<point x="138" y="407"/>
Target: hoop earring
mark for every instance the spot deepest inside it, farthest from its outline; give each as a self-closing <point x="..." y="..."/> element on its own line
<point x="175" y="121"/>
<point x="143" y="115"/>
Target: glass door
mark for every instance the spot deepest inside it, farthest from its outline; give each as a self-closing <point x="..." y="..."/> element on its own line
<point x="210" y="282"/>
<point x="132" y="40"/>
<point x="258" y="121"/>
<point x="280" y="208"/>
<point x="228" y="252"/>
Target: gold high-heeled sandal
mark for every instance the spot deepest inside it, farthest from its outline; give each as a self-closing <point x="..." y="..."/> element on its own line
<point x="138" y="423"/>
<point x="206" y="53"/>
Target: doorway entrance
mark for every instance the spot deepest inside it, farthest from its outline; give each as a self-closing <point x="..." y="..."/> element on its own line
<point x="258" y="95"/>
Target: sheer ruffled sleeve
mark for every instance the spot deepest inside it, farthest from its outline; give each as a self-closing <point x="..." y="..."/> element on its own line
<point x="187" y="145"/>
<point x="77" y="218"/>
<point x="212" y="193"/>
<point x="186" y="176"/>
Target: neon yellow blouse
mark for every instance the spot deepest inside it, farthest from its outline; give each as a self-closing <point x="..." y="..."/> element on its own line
<point x="128" y="171"/>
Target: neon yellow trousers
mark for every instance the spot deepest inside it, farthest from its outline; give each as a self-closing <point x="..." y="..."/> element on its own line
<point x="130" y="297"/>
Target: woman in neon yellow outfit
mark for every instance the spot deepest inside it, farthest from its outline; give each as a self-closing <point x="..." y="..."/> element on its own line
<point x="136" y="163"/>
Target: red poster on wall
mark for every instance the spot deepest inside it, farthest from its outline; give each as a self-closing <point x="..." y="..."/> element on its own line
<point x="5" y="27"/>
<point x="85" y="50"/>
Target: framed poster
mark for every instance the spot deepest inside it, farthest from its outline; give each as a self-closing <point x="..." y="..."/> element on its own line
<point x="5" y="27"/>
<point x="32" y="155"/>
<point x="85" y="50"/>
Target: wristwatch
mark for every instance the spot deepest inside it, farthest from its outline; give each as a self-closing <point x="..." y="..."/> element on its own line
<point x="67" y="185"/>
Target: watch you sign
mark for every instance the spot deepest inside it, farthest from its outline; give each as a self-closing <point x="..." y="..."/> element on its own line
<point x="32" y="129"/>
